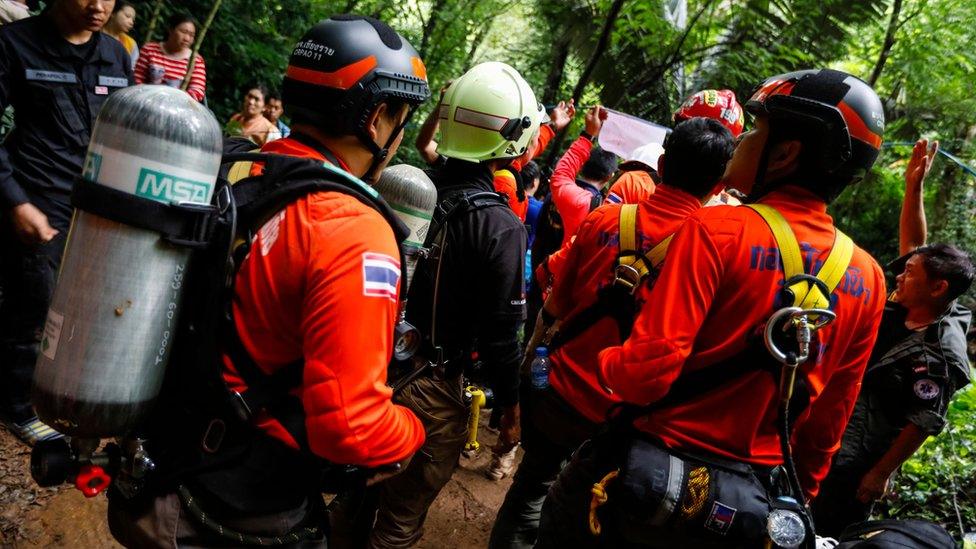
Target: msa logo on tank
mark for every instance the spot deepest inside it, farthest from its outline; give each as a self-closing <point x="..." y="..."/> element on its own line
<point x="165" y="187"/>
<point x="93" y="165"/>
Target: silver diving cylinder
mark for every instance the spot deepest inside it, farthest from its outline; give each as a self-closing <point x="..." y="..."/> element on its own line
<point x="413" y="197"/>
<point x="113" y="316"/>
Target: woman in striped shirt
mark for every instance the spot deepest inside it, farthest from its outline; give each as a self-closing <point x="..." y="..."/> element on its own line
<point x="166" y="62"/>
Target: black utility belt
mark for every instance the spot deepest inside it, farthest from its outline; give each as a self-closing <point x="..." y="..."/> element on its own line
<point x="691" y="497"/>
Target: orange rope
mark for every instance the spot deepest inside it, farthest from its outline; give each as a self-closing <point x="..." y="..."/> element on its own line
<point x="599" y="492"/>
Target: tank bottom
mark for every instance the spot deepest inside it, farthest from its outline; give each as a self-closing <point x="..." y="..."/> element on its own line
<point x="85" y="419"/>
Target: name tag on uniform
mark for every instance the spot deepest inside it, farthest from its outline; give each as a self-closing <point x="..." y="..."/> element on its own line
<point x="50" y="76"/>
<point x="101" y="90"/>
<point x="112" y="81"/>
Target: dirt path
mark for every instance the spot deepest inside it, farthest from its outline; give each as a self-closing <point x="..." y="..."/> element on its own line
<point x="61" y="517"/>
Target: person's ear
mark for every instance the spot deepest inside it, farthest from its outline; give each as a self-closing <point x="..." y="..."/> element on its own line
<point x="784" y="157"/>
<point x="378" y="123"/>
<point x="939" y="289"/>
<point x="660" y="167"/>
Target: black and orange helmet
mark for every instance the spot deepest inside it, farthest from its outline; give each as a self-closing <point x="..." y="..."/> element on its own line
<point x="839" y="111"/>
<point x="346" y="65"/>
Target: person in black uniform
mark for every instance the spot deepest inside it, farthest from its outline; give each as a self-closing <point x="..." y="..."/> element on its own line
<point x="468" y="298"/>
<point x="919" y="360"/>
<point x="56" y="69"/>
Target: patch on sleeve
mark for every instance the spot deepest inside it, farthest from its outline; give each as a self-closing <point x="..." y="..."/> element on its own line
<point x="381" y="273"/>
<point x="720" y="518"/>
<point x="268" y="234"/>
<point x="926" y="389"/>
<point x="614" y="198"/>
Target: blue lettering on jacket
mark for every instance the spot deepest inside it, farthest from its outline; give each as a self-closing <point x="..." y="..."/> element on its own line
<point x="762" y="258"/>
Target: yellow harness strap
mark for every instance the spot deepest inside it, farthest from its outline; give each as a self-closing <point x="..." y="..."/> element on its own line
<point x="239" y="170"/>
<point x="806" y="294"/>
<point x="629" y="256"/>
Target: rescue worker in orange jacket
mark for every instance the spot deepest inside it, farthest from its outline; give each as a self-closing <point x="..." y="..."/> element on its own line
<point x="319" y="287"/>
<point x="698" y="463"/>
<point x="557" y="419"/>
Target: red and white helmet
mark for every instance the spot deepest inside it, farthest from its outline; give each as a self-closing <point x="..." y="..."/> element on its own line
<point x="720" y="105"/>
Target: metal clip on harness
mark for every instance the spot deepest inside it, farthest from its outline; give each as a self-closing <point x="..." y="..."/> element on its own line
<point x="805" y="322"/>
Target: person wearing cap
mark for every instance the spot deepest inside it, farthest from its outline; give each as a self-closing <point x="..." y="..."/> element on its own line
<point x="693" y="450"/>
<point x="563" y="415"/>
<point x="918" y="362"/>
<point x="639" y="171"/>
<point x="468" y="298"/>
<point x="319" y="288"/>
<point x="56" y="71"/>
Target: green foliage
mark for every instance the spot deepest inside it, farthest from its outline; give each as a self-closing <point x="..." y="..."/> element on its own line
<point x="942" y="474"/>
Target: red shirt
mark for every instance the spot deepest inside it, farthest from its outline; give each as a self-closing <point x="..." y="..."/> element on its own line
<point x="303" y="293"/>
<point x="155" y="67"/>
<point x="587" y="267"/>
<point x="718" y="284"/>
<point x="572" y="201"/>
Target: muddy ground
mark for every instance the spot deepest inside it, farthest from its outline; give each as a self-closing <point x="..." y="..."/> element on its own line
<point x="61" y="517"/>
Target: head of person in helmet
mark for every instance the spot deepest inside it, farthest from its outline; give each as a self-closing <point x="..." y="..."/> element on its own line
<point x="353" y="83"/>
<point x="718" y="105"/>
<point x="816" y="129"/>
<point x="489" y="114"/>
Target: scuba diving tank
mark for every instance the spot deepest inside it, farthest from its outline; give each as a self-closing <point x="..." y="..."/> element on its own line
<point x="115" y="308"/>
<point x="413" y="197"/>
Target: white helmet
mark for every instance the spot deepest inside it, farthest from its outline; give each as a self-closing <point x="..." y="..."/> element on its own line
<point x="643" y="157"/>
<point x="490" y="112"/>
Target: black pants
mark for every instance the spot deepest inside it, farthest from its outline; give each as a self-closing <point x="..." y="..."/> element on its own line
<point x="836" y="506"/>
<point x="551" y="431"/>
<point x="27" y="276"/>
<point x="727" y="510"/>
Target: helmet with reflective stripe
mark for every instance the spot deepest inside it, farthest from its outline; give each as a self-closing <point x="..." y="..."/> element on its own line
<point x="839" y="115"/>
<point x="343" y="67"/>
<point x="490" y="112"/>
<point x="720" y="105"/>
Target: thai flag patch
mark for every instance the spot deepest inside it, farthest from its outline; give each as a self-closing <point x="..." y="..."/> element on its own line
<point x="720" y="519"/>
<point x="380" y="275"/>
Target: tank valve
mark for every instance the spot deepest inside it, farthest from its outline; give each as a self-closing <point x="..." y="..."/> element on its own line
<point x="92" y="480"/>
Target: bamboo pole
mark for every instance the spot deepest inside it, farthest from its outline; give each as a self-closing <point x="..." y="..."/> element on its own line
<point x="196" y="46"/>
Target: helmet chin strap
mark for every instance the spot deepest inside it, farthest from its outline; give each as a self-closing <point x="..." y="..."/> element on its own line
<point x="381" y="153"/>
<point x="761" y="187"/>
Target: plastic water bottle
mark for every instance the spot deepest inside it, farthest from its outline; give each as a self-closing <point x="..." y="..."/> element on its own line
<point x="540" y="368"/>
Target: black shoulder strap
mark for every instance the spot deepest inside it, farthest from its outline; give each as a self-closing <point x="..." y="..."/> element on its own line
<point x="288" y="178"/>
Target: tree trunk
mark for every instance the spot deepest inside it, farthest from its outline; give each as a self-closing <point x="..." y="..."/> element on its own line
<point x="153" y="19"/>
<point x="475" y="43"/>
<point x="554" y="79"/>
<point x="430" y="25"/>
<point x="889" y="41"/>
<point x="601" y="46"/>
<point x="584" y="79"/>
<point x="196" y="47"/>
